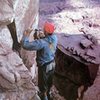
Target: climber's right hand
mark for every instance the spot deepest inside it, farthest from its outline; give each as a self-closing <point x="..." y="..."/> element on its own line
<point x="28" y="31"/>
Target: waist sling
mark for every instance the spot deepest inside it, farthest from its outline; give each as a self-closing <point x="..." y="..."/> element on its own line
<point x="49" y="66"/>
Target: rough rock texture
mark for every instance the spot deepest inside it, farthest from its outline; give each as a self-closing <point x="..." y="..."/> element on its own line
<point x="27" y="17"/>
<point x="28" y="58"/>
<point x="55" y="94"/>
<point x="93" y="92"/>
<point x="25" y="13"/>
<point x="83" y="48"/>
<point x="70" y="75"/>
<point x="72" y="16"/>
<point x="15" y="79"/>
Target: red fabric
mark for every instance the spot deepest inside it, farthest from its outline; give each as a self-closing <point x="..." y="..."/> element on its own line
<point x="49" y="27"/>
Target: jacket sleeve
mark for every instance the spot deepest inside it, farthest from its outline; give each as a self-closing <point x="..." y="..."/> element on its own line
<point x="34" y="45"/>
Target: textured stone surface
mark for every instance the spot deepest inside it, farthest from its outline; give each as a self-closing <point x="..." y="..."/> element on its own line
<point x="70" y="74"/>
<point x="26" y="17"/>
<point x="25" y="13"/>
<point x="15" y="79"/>
<point x="83" y="49"/>
<point x="93" y="92"/>
<point x="28" y="58"/>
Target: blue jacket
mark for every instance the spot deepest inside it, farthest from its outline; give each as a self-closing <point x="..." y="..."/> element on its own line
<point x="45" y="47"/>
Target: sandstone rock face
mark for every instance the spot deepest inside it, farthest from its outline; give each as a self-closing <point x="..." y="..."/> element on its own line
<point x="28" y="58"/>
<point x="93" y="92"/>
<point x="25" y="13"/>
<point x="15" y="79"/>
<point x="6" y="11"/>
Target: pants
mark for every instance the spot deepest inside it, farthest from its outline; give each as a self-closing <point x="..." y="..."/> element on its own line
<point x="45" y="76"/>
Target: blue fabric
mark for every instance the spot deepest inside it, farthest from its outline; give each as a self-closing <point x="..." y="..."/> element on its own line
<point x="45" y="47"/>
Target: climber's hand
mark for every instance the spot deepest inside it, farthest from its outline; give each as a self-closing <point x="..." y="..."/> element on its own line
<point x="27" y="32"/>
<point x="38" y="34"/>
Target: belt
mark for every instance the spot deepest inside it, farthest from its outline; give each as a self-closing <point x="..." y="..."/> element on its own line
<point x="45" y="64"/>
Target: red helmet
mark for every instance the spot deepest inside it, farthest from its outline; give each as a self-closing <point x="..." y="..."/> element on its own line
<point x="49" y="28"/>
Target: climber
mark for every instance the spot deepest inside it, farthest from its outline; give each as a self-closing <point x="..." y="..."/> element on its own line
<point x="46" y="48"/>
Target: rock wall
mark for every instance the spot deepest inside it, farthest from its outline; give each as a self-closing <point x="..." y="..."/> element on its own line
<point x="15" y="79"/>
<point x="27" y="17"/>
<point x="70" y="75"/>
<point x="25" y="13"/>
<point x="93" y="92"/>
